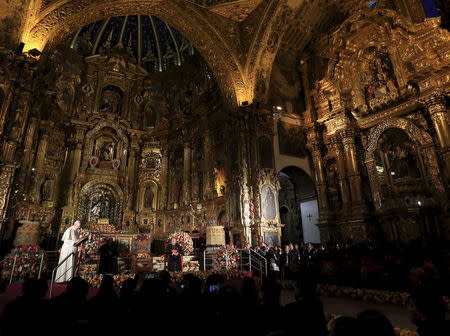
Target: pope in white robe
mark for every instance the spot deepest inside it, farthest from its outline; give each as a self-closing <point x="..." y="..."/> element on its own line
<point x="70" y="237"/>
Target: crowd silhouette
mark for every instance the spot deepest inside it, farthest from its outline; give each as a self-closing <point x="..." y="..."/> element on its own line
<point x="152" y="306"/>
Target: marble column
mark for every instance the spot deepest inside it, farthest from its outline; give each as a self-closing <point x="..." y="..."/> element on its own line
<point x="187" y="173"/>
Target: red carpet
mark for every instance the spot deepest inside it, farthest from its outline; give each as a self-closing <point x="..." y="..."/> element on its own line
<point x="15" y="289"/>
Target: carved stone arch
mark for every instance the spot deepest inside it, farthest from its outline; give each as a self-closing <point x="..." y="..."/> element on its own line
<point x="53" y="24"/>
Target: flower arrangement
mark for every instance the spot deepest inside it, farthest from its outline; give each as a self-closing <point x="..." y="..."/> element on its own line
<point x="227" y="258"/>
<point x="104" y="228"/>
<point x="176" y="277"/>
<point x="184" y="240"/>
<point x="203" y="275"/>
<point x="96" y="280"/>
<point x="90" y="246"/>
<point x="363" y="294"/>
<point x="398" y="331"/>
<point x="28" y="262"/>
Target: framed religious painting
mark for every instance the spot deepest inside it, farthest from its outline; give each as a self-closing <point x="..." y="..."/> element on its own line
<point x="124" y="244"/>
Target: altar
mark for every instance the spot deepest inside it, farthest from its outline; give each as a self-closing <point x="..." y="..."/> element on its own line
<point x="134" y="249"/>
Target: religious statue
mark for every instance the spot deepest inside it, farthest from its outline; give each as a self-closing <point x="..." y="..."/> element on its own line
<point x="148" y="197"/>
<point x="178" y="185"/>
<point x="379" y="79"/>
<point x="107" y="152"/>
<point x="149" y="115"/>
<point x="404" y="163"/>
<point x="110" y="102"/>
<point x="64" y="94"/>
<point x="268" y="203"/>
<point x="100" y="206"/>
<point x="46" y="190"/>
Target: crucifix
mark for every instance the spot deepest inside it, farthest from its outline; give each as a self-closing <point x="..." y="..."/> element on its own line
<point x="309" y="217"/>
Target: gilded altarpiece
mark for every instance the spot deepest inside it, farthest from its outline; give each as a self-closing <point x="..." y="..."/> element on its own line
<point x="374" y="113"/>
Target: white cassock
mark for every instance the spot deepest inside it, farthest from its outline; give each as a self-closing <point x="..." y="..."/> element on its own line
<point x="65" y="271"/>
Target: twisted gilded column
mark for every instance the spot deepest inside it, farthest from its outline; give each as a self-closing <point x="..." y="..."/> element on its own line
<point x="244" y="183"/>
<point x="342" y="173"/>
<point x="6" y="179"/>
<point x="164" y="178"/>
<point x="132" y="173"/>
<point x="187" y="173"/>
<point x="73" y="163"/>
<point x="351" y="160"/>
<point x="207" y="166"/>
<point x="39" y="164"/>
<point x="357" y="226"/>
<point x="314" y="146"/>
<point x="435" y="105"/>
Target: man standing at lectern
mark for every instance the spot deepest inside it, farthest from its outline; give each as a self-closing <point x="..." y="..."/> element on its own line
<point x="174" y="253"/>
<point x="67" y="258"/>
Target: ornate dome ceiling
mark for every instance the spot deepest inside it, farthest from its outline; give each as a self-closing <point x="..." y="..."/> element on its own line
<point x="149" y="41"/>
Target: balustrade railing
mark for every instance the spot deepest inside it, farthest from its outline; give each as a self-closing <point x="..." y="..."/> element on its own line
<point x="249" y="260"/>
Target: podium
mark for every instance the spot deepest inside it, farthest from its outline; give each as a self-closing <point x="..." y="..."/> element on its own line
<point x="142" y="260"/>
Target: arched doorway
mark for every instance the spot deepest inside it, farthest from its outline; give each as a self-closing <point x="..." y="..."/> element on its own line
<point x="298" y="206"/>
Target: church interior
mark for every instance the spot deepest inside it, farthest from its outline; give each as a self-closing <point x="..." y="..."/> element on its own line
<point x="241" y="123"/>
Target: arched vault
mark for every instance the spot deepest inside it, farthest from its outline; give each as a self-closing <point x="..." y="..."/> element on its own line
<point x="240" y="52"/>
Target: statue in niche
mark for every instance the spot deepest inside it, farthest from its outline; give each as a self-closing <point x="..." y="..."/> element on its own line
<point x="292" y="140"/>
<point x="110" y="101"/>
<point x="150" y="61"/>
<point x="170" y="57"/>
<point x="332" y="177"/>
<point x="268" y="203"/>
<point x="150" y="163"/>
<point x="177" y="187"/>
<point x="149" y="115"/>
<point x="84" y="101"/>
<point x="404" y="163"/>
<point x="378" y="80"/>
<point x="64" y="94"/>
<point x="397" y="155"/>
<point x="148" y="197"/>
<point x="100" y="206"/>
<point x="107" y="151"/>
<point x="46" y="190"/>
